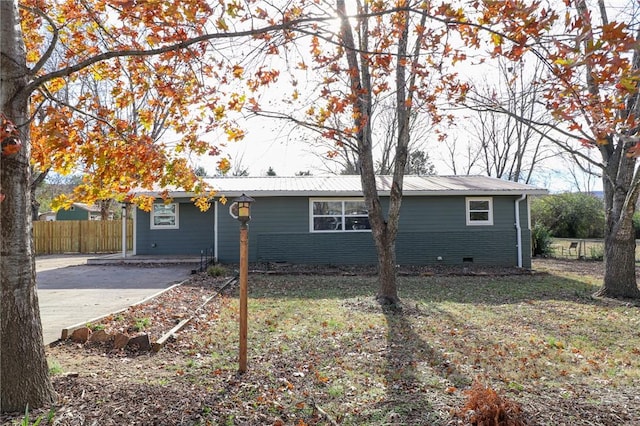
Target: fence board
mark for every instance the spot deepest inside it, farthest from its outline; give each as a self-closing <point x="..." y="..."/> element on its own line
<point x="80" y="236"/>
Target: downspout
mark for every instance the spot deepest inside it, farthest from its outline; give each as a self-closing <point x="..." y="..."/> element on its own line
<point x="519" y="228"/>
<point x="215" y="231"/>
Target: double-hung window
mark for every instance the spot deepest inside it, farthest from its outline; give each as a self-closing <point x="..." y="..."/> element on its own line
<point x="479" y="211"/>
<point x="164" y="216"/>
<point x="332" y="215"/>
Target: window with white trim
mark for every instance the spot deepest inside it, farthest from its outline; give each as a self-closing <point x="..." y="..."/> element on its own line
<point x="334" y="215"/>
<point x="479" y="211"/>
<point x="164" y="216"/>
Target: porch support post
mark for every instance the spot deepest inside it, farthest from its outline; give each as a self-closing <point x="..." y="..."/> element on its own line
<point x="124" y="230"/>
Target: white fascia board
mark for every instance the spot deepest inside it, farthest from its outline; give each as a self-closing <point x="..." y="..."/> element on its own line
<point x="475" y="192"/>
<point x="433" y="193"/>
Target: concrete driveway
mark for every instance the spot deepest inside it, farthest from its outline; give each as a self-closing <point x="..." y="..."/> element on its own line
<point x="71" y="292"/>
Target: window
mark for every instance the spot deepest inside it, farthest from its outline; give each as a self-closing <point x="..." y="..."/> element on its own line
<point x="339" y="216"/>
<point x="479" y="211"/>
<point x="164" y="216"/>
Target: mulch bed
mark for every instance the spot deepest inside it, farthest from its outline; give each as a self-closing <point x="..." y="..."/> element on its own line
<point x="154" y="318"/>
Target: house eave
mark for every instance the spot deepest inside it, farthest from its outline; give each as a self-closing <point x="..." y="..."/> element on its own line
<point x="338" y="194"/>
<point x="350" y="186"/>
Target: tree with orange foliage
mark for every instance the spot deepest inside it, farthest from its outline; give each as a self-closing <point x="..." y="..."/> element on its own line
<point x="404" y="53"/>
<point x="595" y="91"/>
<point x="590" y="86"/>
<point x="154" y="59"/>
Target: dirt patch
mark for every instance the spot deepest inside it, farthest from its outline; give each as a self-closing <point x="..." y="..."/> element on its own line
<point x="371" y="270"/>
<point x="592" y="268"/>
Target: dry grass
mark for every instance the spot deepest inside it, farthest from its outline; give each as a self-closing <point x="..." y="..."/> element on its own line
<point x="321" y="351"/>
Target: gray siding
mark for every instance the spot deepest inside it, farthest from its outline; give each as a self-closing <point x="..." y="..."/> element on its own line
<point x="317" y="248"/>
<point x="430" y="227"/>
<point x="437" y="229"/>
<point x="195" y="233"/>
<point x="275" y="215"/>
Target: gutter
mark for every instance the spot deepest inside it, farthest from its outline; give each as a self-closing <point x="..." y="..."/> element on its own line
<point x="519" y="228"/>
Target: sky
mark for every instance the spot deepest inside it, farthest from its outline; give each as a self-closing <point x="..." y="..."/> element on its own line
<point x="271" y="143"/>
<point x="268" y="146"/>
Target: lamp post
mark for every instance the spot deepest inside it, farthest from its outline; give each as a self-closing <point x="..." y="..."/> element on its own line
<point x="242" y="208"/>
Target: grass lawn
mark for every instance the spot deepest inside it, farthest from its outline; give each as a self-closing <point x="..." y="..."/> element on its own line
<point x="539" y="340"/>
<point x="321" y="351"/>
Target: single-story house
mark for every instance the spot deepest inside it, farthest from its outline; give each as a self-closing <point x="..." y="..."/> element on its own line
<point x="49" y="216"/>
<point x="79" y="211"/>
<point x="323" y="220"/>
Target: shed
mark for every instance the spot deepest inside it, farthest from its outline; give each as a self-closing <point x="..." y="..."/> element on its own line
<point x="79" y="211"/>
<point x="323" y="220"/>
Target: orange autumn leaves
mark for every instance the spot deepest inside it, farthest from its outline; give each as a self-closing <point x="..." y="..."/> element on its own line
<point x="127" y="118"/>
<point x="438" y="37"/>
<point x="9" y="137"/>
<point x="598" y="108"/>
<point x="123" y="118"/>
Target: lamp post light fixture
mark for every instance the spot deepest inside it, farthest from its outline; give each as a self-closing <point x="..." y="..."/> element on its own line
<point x="242" y="208"/>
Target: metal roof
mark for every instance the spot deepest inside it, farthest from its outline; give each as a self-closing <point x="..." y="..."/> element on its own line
<point x="340" y="185"/>
<point x="92" y="208"/>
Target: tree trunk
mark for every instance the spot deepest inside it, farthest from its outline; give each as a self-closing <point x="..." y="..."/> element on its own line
<point x="619" y="235"/>
<point x="387" y="286"/>
<point x="620" y="266"/>
<point x="360" y="86"/>
<point x="35" y="184"/>
<point x="105" y="206"/>
<point x="23" y="364"/>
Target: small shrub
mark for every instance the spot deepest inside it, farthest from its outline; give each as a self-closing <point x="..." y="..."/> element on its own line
<point x="141" y="323"/>
<point x="216" y="271"/>
<point x="54" y="367"/>
<point x="597" y="253"/>
<point x="95" y="327"/>
<point x="26" y="420"/>
<point x="541" y="240"/>
<point x="484" y="406"/>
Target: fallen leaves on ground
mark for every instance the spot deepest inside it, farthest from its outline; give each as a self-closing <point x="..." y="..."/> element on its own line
<point x="323" y="352"/>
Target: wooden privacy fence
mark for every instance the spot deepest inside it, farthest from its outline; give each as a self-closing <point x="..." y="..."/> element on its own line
<point x="80" y="236"/>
